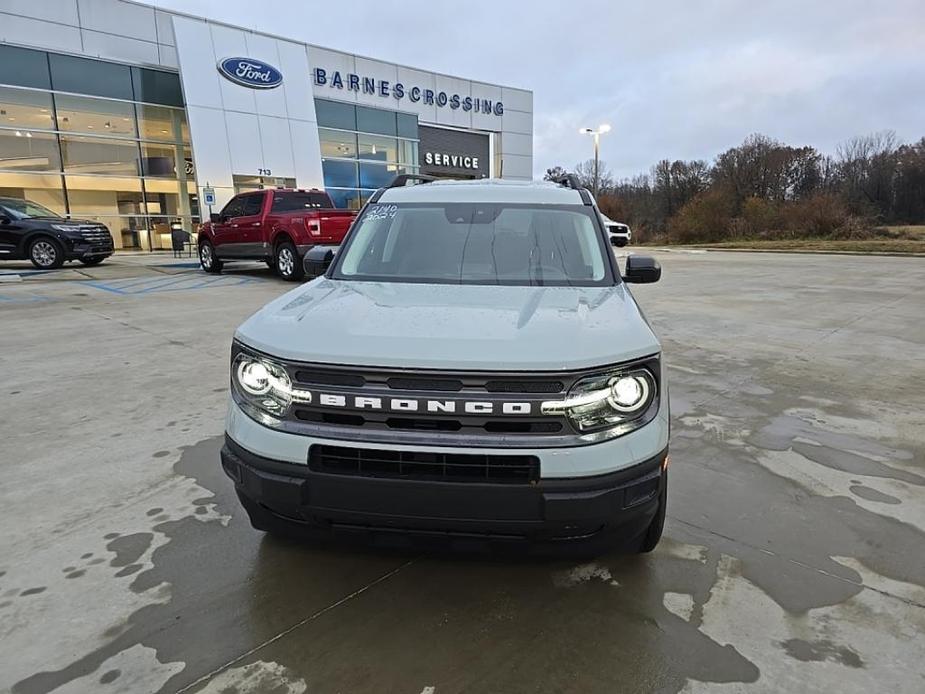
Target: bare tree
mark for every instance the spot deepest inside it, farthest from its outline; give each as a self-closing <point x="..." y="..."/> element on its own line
<point x="585" y="172"/>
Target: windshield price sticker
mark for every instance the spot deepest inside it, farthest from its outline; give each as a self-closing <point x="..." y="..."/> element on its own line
<point x="381" y="212"/>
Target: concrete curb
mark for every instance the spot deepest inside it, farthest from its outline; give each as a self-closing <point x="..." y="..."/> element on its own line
<point x="802" y="251"/>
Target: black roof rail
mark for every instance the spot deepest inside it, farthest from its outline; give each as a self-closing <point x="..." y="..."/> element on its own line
<point x="571" y="180"/>
<point x="401" y="180"/>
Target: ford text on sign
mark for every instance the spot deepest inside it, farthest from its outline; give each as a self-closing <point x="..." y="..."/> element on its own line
<point x="250" y="73"/>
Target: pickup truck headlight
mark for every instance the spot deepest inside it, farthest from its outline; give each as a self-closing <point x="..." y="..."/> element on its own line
<point x="607" y="405"/>
<point x="263" y="388"/>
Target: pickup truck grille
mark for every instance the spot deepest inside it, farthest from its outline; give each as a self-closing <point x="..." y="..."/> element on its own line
<point x="96" y="233"/>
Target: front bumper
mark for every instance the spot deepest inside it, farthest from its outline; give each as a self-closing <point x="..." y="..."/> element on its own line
<point x="78" y="248"/>
<point x="602" y="510"/>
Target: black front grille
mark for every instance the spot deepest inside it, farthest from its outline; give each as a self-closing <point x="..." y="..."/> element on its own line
<point x="526" y="386"/>
<point x="95" y="234"/>
<point x="412" y="465"/>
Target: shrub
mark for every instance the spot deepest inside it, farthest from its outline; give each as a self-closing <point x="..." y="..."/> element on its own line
<point x="758" y="217"/>
<point x="706" y="217"/>
<point x="818" y="215"/>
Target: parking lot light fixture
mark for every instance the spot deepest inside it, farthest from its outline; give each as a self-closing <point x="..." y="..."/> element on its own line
<point x="601" y="129"/>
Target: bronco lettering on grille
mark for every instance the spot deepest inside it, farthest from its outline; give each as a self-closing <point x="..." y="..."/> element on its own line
<point x="363" y="402"/>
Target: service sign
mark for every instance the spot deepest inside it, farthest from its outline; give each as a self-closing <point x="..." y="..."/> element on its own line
<point x="250" y="73"/>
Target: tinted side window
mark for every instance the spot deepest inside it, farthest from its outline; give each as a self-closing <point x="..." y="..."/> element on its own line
<point x="293" y="202"/>
<point x="253" y="205"/>
<point x="233" y="208"/>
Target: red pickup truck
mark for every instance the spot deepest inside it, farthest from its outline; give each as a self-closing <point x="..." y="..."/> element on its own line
<point x="276" y="226"/>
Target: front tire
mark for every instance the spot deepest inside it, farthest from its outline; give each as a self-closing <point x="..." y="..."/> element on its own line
<point x="46" y="253"/>
<point x="207" y="258"/>
<point x="288" y="264"/>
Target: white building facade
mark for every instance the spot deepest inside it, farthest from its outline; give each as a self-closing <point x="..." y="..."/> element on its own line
<point x="122" y="112"/>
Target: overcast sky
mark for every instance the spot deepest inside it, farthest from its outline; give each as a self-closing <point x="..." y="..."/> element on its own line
<point x="676" y="80"/>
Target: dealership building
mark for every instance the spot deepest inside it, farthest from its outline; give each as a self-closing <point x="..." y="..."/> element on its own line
<point x="138" y="117"/>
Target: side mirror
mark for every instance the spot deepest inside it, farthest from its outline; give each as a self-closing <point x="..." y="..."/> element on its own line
<point x="642" y="269"/>
<point x="317" y="260"/>
<point x="215" y="218"/>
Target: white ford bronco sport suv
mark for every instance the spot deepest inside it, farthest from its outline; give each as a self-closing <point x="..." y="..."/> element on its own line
<point x="470" y="368"/>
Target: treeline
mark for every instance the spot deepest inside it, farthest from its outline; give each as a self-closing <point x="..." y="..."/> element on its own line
<point x="766" y="189"/>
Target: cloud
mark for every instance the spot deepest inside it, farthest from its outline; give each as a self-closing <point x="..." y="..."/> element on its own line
<point x="675" y="79"/>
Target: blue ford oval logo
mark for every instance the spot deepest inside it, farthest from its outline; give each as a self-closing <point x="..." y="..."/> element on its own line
<point x="250" y="73"/>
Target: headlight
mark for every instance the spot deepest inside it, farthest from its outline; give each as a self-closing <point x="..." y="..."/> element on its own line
<point x="70" y="228"/>
<point x="611" y="404"/>
<point x="264" y="389"/>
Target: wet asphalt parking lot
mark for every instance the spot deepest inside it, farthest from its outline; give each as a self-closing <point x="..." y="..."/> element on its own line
<point x="794" y="555"/>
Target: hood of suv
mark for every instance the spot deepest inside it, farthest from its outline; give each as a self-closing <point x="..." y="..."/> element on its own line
<point x="451" y="326"/>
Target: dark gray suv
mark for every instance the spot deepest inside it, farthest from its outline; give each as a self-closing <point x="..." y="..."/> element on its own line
<point x="29" y="231"/>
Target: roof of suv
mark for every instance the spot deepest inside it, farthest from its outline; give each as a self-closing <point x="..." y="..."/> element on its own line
<point x="485" y="190"/>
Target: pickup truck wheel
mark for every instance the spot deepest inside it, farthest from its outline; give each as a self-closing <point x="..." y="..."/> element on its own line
<point x="207" y="259"/>
<point x="46" y="254"/>
<point x="654" y="532"/>
<point x="288" y="263"/>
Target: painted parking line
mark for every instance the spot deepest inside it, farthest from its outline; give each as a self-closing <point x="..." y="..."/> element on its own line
<point x="24" y="273"/>
<point x="22" y="298"/>
<point x="169" y="283"/>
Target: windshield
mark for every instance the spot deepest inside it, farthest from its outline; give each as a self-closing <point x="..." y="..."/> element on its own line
<point x="23" y="209"/>
<point x="476" y="243"/>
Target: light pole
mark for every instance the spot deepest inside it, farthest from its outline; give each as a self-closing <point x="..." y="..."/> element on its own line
<point x="601" y="129"/>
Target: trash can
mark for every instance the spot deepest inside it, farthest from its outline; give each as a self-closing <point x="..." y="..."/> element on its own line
<point x="178" y="239"/>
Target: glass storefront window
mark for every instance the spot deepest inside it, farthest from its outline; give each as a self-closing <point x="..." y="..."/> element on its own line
<point x="378" y="148"/>
<point x="160" y="123"/>
<point x="87" y="76"/>
<point x="339" y="174"/>
<point x="333" y="114"/>
<point x="45" y="189"/>
<point x="96" y="155"/>
<point x="408" y="152"/>
<point x="125" y="164"/>
<point x="345" y="199"/>
<point x="377" y="175"/>
<point x="157" y="86"/>
<point x="407" y="125"/>
<point x="337" y="143"/>
<point x="163" y="160"/>
<point x="374" y="120"/>
<point x="163" y="196"/>
<point x="28" y="150"/>
<point x="95" y="116"/>
<point x="21" y="108"/>
<point x="24" y="67"/>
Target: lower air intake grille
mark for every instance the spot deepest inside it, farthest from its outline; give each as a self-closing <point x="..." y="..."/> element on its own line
<point x="446" y="467"/>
